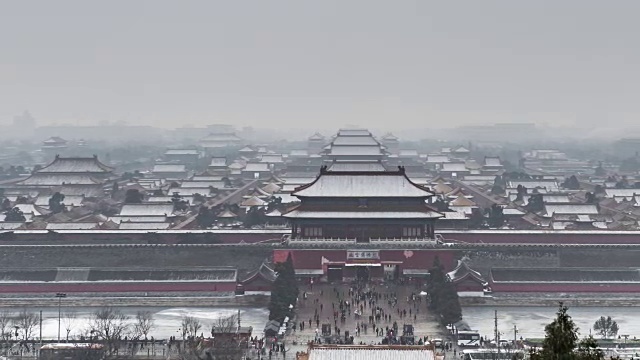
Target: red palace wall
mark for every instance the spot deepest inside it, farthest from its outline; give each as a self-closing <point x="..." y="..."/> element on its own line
<point x="564" y="287"/>
<point x="408" y="259"/>
<point x="116" y="287"/>
<point x="550" y="237"/>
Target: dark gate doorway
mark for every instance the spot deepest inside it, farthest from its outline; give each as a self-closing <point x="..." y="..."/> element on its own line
<point x="362" y="273"/>
<point x="334" y="273"/>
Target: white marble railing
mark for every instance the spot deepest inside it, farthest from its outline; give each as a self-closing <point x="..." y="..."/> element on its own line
<point x="402" y="240"/>
<point x="323" y="241"/>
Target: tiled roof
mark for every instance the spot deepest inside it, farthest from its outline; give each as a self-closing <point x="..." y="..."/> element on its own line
<point x="462" y="201"/>
<point x="253" y="201"/>
<point x="73" y="226"/>
<point x="575" y="209"/>
<point x="76" y="165"/>
<point x="355" y="140"/>
<point x="354" y="132"/>
<point x="257" y="167"/>
<point x="49" y="179"/>
<point x="144" y="226"/>
<point x="371" y="352"/>
<point x="182" y="152"/>
<point x="357" y="166"/>
<point x="355" y="150"/>
<point x="218" y="162"/>
<point x="387" y="184"/>
<point x="454" y="167"/>
<point x="302" y="214"/>
<point x="142" y="218"/>
<point x="169" y="168"/>
<point x="147" y="210"/>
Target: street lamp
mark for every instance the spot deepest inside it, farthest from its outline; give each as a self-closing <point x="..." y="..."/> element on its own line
<point x="59" y="296"/>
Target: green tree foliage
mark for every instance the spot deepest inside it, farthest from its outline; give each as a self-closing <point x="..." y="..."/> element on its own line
<point x="114" y="189"/>
<point x="571" y="183"/>
<point x="497" y="190"/>
<point x="590" y="198"/>
<point x="600" y="171"/>
<point x="561" y="341"/>
<point x="441" y="205"/>
<point x="536" y="203"/>
<point x="255" y="216"/>
<point x="496" y="216"/>
<point x="15" y="215"/>
<point x="443" y="296"/>
<point x="284" y="291"/>
<point x="477" y="219"/>
<point x="178" y="203"/>
<point x="205" y="217"/>
<point x="606" y="327"/>
<point x="133" y="196"/>
<point x="55" y="203"/>
<point x="521" y="192"/>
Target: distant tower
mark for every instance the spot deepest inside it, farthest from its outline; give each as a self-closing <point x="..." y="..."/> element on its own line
<point x="316" y="143"/>
<point x="391" y="143"/>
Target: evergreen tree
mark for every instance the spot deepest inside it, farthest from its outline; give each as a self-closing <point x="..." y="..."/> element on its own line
<point x="55" y="203"/>
<point x="571" y="183"/>
<point x="496" y="216"/>
<point x="561" y="337"/>
<point x="443" y="296"/>
<point x="133" y="196"/>
<point x="284" y="291"/>
<point x="205" y="217"/>
<point x="561" y="341"/>
<point x="14" y="215"/>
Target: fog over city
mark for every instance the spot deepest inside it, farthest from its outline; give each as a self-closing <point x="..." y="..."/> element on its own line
<point x="319" y="180"/>
<point x="321" y="65"/>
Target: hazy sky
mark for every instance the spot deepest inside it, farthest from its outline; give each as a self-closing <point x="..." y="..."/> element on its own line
<point x="320" y="64"/>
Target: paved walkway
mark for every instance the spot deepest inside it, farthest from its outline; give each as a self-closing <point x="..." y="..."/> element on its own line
<point x="389" y="299"/>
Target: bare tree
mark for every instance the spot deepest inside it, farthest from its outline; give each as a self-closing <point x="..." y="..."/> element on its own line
<point x="227" y="343"/>
<point x="110" y="326"/>
<point x="192" y="347"/>
<point x="190" y="326"/>
<point x="144" y="324"/>
<point x="6" y="319"/>
<point x="68" y="318"/>
<point x="27" y="322"/>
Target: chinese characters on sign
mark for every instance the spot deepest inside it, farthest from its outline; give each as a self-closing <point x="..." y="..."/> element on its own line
<point x="362" y="254"/>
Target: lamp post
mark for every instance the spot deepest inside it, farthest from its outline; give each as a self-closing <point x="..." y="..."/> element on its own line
<point x="59" y="296"/>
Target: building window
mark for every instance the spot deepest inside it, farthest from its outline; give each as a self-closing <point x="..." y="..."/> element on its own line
<point x="362" y="203"/>
<point x="411" y="231"/>
<point x="312" y="232"/>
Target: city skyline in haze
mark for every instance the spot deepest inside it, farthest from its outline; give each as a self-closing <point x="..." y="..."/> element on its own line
<point x="376" y="64"/>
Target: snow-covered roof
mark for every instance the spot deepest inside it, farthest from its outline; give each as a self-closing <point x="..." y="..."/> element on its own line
<point x="454" y="167"/>
<point x="354" y="132"/>
<point x="362" y="214"/>
<point x="147" y="210"/>
<point x="218" y="162"/>
<point x="144" y="225"/>
<point x="355" y="140"/>
<point x="76" y="165"/>
<point x="72" y="226"/>
<point x="575" y="209"/>
<point x="169" y="168"/>
<point x="383" y="184"/>
<point x="371" y="352"/>
<point x="182" y="152"/>
<point x="357" y="166"/>
<point x="355" y="150"/>
<point x="253" y="201"/>
<point x="50" y="179"/>
<point x="257" y="167"/>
